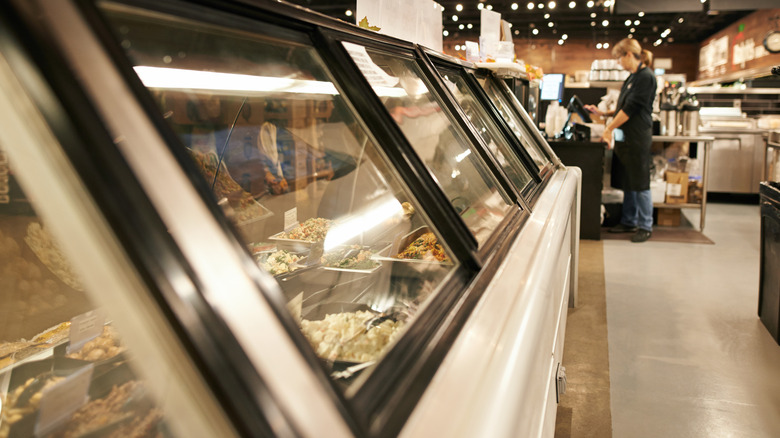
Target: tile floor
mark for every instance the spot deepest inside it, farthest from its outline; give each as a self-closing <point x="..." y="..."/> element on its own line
<point x="688" y="356"/>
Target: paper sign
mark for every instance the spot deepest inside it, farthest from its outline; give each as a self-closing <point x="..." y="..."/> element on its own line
<point x="84" y="328"/>
<point x="60" y="401"/>
<point x="290" y="218"/>
<point x="375" y="75"/>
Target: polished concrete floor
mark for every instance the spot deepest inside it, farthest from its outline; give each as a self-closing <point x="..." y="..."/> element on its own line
<point x="688" y="356"/>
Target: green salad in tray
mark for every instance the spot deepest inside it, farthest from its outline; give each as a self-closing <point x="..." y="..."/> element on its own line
<point x="353" y="257"/>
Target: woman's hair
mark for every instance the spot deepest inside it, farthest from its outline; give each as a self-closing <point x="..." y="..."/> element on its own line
<point x="627" y="45"/>
<point x="647" y="58"/>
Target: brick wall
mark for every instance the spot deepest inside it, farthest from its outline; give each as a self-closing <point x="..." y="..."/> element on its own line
<point x="578" y="55"/>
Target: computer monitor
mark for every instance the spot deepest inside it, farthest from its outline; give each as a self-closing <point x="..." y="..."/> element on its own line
<point x="575" y="105"/>
<point x="552" y="86"/>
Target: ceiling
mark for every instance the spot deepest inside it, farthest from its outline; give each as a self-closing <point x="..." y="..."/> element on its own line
<point x="580" y="22"/>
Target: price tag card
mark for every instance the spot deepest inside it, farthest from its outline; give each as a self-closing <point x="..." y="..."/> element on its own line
<point x="290" y="218"/>
<point x="60" y="401"/>
<point x="84" y="328"/>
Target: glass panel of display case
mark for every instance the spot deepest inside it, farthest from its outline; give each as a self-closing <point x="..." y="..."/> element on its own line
<point x="487" y="128"/>
<point x="313" y="197"/>
<point x="506" y="108"/>
<point x="56" y="345"/>
<point x="448" y="154"/>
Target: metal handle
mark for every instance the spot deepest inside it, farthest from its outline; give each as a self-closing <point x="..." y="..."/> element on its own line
<point x="560" y="382"/>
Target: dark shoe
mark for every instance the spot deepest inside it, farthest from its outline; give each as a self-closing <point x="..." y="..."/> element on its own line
<point x="641" y="236"/>
<point x="621" y="228"/>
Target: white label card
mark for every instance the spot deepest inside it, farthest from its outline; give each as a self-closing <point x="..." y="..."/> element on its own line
<point x="290" y="218"/>
<point x="373" y="73"/>
<point x="84" y="328"/>
<point x="60" y="401"/>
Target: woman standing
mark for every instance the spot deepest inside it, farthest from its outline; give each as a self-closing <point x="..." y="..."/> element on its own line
<point x="632" y="131"/>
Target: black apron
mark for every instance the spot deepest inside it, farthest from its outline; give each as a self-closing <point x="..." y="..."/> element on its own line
<point x="631" y="159"/>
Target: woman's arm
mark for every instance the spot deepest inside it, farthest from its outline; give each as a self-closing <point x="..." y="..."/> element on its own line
<point x="616" y="122"/>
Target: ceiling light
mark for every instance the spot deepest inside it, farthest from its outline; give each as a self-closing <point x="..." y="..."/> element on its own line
<point x="550" y="24"/>
<point x="564" y="37"/>
<point x="469" y="25"/>
<point x="461" y="27"/>
<point x="454" y="18"/>
<point x="546" y="16"/>
<point x="606" y="45"/>
<point x="535" y="31"/>
<point x="480" y="6"/>
<point x="489" y="7"/>
<point x="457" y="47"/>
<point x="680" y="20"/>
<point x="592" y="15"/>
<point x="608" y="3"/>
<point x="636" y="22"/>
<point x="445" y="33"/>
<point x="657" y="42"/>
<point x="641" y="14"/>
<point x="605" y="23"/>
<point x="517" y="32"/>
<point x="348" y="13"/>
<point x="560" y="42"/>
<point x="458" y="7"/>
<point x="666" y="33"/>
<point x="551" y="5"/>
<point x="572" y="5"/>
<point x="590" y="4"/>
<point x="514" y="6"/>
<point x="530" y="5"/>
<point x="598" y="45"/>
<point x="632" y="30"/>
<point x="540" y="5"/>
<point x="593" y="24"/>
<point x="628" y="23"/>
<point x="704" y="1"/>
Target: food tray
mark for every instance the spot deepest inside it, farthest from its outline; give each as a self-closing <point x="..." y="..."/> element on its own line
<point x="401" y="243"/>
<point x="263" y="213"/>
<point x="344" y="250"/>
<point x="293" y="245"/>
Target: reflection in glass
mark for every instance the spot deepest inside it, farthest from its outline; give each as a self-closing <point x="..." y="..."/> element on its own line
<point x="487" y="129"/>
<point x="40" y="295"/>
<point x="309" y="191"/>
<point x="449" y="156"/>
<point x="505" y="107"/>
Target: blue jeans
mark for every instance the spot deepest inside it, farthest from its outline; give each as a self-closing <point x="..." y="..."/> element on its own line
<point x="638" y="209"/>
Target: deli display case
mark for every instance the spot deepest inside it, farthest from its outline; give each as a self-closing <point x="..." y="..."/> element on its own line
<point x="242" y="218"/>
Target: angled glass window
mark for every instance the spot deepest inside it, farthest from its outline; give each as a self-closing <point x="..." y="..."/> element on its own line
<point x="449" y="156"/>
<point x="311" y="193"/>
<point x="506" y="107"/>
<point x="487" y="129"/>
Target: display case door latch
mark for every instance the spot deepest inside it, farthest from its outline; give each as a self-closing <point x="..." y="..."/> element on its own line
<point x="560" y="382"/>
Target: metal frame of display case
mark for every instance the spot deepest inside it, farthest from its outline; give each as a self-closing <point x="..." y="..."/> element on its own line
<point x="529" y="193"/>
<point x="106" y="121"/>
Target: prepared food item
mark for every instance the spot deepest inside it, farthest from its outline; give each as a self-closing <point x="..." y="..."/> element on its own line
<point x="105" y="346"/>
<point x="24" y="400"/>
<point x="11" y="352"/>
<point x="354" y="258"/>
<point x="258" y="247"/>
<point x="350" y="336"/>
<point x="280" y="262"/>
<point x="48" y="252"/>
<point x="425" y="247"/>
<point x="54" y="334"/>
<point x="124" y="412"/>
<point x="312" y="230"/>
